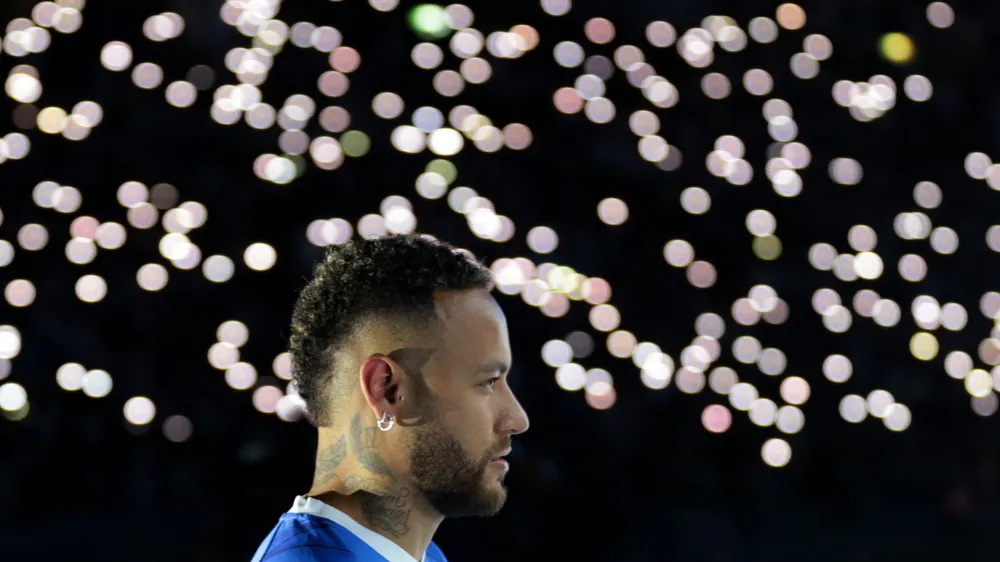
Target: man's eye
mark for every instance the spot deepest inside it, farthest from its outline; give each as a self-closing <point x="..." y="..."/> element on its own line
<point x="489" y="384"/>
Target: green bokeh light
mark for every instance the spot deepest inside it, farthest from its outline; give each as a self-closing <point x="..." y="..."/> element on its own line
<point x="444" y="167"/>
<point x="355" y="143"/>
<point x="429" y="20"/>
<point x="300" y="164"/>
<point x="767" y="247"/>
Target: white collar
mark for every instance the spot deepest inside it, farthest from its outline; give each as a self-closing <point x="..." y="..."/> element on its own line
<point x="385" y="547"/>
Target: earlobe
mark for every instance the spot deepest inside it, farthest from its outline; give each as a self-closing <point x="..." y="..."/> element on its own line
<point x="386" y="422"/>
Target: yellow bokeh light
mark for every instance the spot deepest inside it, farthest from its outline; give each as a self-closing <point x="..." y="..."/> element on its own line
<point x="924" y="346"/>
<point x="563" y="279"/>
<point x="474" y="122"/>
<point x="767" y="247"/>
<point x="978" y="383"/>
<point x="52" y="120"/>
<point x="896" y="47"/>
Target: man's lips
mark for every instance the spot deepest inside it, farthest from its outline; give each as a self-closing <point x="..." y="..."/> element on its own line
<point x="502" y="454"/>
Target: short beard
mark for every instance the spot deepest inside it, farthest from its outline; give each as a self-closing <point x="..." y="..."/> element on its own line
<point x="451" y="481"/>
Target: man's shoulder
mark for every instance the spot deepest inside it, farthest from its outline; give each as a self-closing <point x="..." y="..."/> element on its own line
<point x="305" y="538"/>
<point x="311" y="553"/>
<point x="434" y="554"/>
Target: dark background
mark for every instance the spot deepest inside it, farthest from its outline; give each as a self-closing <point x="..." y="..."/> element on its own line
<point x="641" y="481"/>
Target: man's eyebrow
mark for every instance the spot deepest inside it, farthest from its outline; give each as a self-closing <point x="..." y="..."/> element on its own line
<point x="493" y="367"/>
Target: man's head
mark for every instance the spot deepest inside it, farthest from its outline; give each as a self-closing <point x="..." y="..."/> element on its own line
<point x="406" y="325"/>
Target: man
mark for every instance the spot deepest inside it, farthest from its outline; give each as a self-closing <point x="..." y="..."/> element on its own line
<point x="401" y="356"/>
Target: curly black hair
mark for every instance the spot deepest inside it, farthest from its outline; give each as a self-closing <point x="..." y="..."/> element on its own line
<point x="393" y="275"/>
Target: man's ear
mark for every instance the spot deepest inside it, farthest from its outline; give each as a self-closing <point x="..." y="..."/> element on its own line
<point x="397" y="386"/>
<point x="379" y="383"/>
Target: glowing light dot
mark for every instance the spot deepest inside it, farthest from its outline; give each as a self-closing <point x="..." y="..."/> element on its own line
<point x="716" y="418"/>
<point x="542" y="239"/>
<point x="599" y="30"/>
<point x="612" y="211"/>
<point x="91" y="288"/>
<point x="139" y="410"/>
<point x="776" y="452"/>
<point x="116" y="56"/>
<point x="97" y="383"/>
<point x="181" y="94"/>
<point x="924" y="346"/>
<point x="791" y="16"/>
<point x="896" y="47"/>
<point x="260" y="256"/>
<point x="940" y="15"/>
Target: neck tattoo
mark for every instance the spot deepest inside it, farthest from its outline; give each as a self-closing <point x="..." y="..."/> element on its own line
<point x="364" y="442"/>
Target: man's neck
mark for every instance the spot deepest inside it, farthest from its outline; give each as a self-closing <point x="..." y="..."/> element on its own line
<point x="391" y="513"/>
<point x="353" y="475"/>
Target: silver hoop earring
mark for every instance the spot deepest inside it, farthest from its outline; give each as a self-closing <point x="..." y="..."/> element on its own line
<point x="386" y="422"/>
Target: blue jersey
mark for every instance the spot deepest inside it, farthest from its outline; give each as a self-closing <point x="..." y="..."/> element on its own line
<point x="313" y="531"/>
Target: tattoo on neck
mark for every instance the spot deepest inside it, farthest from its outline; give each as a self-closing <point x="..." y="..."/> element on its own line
<point x="354" y="483"/>
<point x="329" y="459"/>
<point x="363" y="441"/>
<point x="389" y="513"/>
